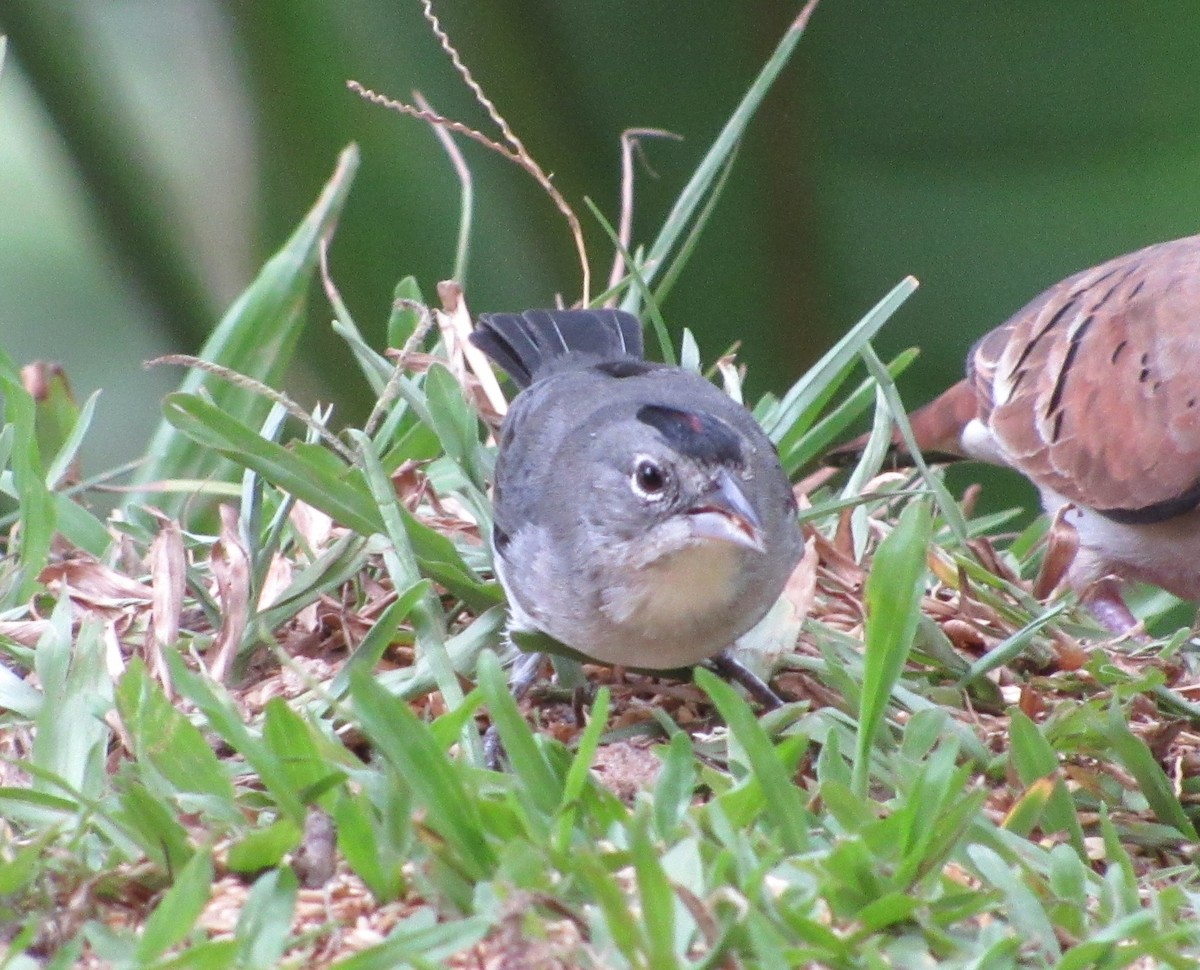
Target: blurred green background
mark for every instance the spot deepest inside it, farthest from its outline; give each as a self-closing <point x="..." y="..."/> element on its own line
<point x="152" y="154"/>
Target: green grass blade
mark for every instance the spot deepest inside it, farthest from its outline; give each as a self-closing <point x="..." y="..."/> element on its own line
<point x="657" y="909"/>
<point x="404" y="320"/>
<point x="174" y="917"/>
<point x="1034" y="758"/>
<point x="71" y="740"/>
<point x="893" y="605"/>
<point x="784" y="801"/>
<point x="456" y="425"/>
<point x="808" y="442"/>
<point x="641" y="285"/>
<point x="319" y="478"/>
<point x="1153" y="782"/>
<point x="79" y="526"/>
<point x="711" y="165"/>
<point x="536" y="780"/>
<point x="70" y="442"/>
<point x="370" y="649"/>
<point x="35" y="502"/>
<point x="810" y="388"/>
<point x="420" y="943"/>
<point x="264" y="924"/>
<point x="330" y="489"/>
<point x="578" y="774"/>
<point x="264" y="848"/>
<point x="166" y="739"/>
<point x="429" y="622"/>
<point x="949" y="508"/>
<point x="1012" y="645"/>
<point x="684" y="253"/>
<point x="256" y="337"/>
<point x="676" y="785"/>
<point x="1022" y="905"/>
<point x="151" y="821"/>
<point x="436" y="782"/>
<point x="226" y="720"/>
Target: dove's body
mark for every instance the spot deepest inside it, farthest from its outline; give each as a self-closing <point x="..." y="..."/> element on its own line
<point x="1092" y="391"/>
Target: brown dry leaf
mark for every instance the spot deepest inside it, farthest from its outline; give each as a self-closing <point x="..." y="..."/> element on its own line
<point x="94" y="585"/>
<point x="967" y="637"/>
<point x="775" y="635"/>
<point x="812" y="481"/>
<point x="970" y="498"/>
<point x="1031" y="703"/>
<point x="25" y="632"/>
<point x="230" y="564"/>
<point x="454" y="321"/>
<point x="1161" y="737"/>
<point x="731" y="375"/>
<point x="836" y="558"/>
<point x="114" y="660"/>
<point x="944" y="569"/>
<point x="42" y="379"/>
<point x="278" y="578"/>
<point x="985" y="551"/>
<point x="168" y="578"/>
<point x="418" y="362"/>
<point x="1062" y="543"/>
<point x="1069" y="653"/>
<point x="411" y="485"/>
<point x="312" y="525"/>
<point x="99" y="591"/>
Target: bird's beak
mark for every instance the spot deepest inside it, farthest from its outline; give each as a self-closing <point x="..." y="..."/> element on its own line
<point x="724" y="513"/>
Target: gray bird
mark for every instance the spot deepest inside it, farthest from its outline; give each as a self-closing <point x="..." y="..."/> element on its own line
<point x="641" y="515"/>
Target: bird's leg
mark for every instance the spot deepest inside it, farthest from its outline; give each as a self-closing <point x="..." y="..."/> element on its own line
<point x="524" y="673"/>
<point x="725" y="665"/>
<point x="1104" y="599"/>
<point x="569" y="674"/>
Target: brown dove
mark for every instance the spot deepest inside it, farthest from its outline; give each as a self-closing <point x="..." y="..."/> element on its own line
<point x="1092" y="392"/>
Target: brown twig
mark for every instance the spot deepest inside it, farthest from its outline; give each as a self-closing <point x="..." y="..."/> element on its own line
<point x="461" y="169"/>
<point x="630" y="141"/>
<point x="432" y="118"/>
<point x="239" y="379"/>
<point x="514" y="150"/>
<point x="392" y="389"/>
<point x="468" y="78"/>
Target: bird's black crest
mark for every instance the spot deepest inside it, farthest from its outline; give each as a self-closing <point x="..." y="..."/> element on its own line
<point x="525" y="343"/>
<point x="694" y="433"/>
<point x="626" y="367"/>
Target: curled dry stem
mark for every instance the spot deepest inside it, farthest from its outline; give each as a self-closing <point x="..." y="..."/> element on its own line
<point x="391" y="390"/>
<point x="512" y="148"/>
<point x="250" y="384"/>
<point x="631" y="141"/>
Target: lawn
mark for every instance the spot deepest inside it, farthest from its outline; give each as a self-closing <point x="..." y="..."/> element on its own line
<point x="241" y="718"/>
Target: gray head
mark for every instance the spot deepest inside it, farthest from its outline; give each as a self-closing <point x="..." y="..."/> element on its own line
<point x="671" y="478"/>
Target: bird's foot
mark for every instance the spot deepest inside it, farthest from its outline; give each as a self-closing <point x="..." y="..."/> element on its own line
<point x="725" y="665"/>
<point x="524" y="673"/>
<point x="1104" y="600"/>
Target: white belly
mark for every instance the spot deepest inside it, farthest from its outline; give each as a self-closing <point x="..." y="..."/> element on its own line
<point x="699" y="578"/>
<point x="1166" y="554"/>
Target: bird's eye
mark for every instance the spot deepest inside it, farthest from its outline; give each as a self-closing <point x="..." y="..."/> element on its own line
<point x="648" y="479"/>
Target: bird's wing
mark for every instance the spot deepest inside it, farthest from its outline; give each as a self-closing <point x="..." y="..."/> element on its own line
<point x="1093" y="389"/>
